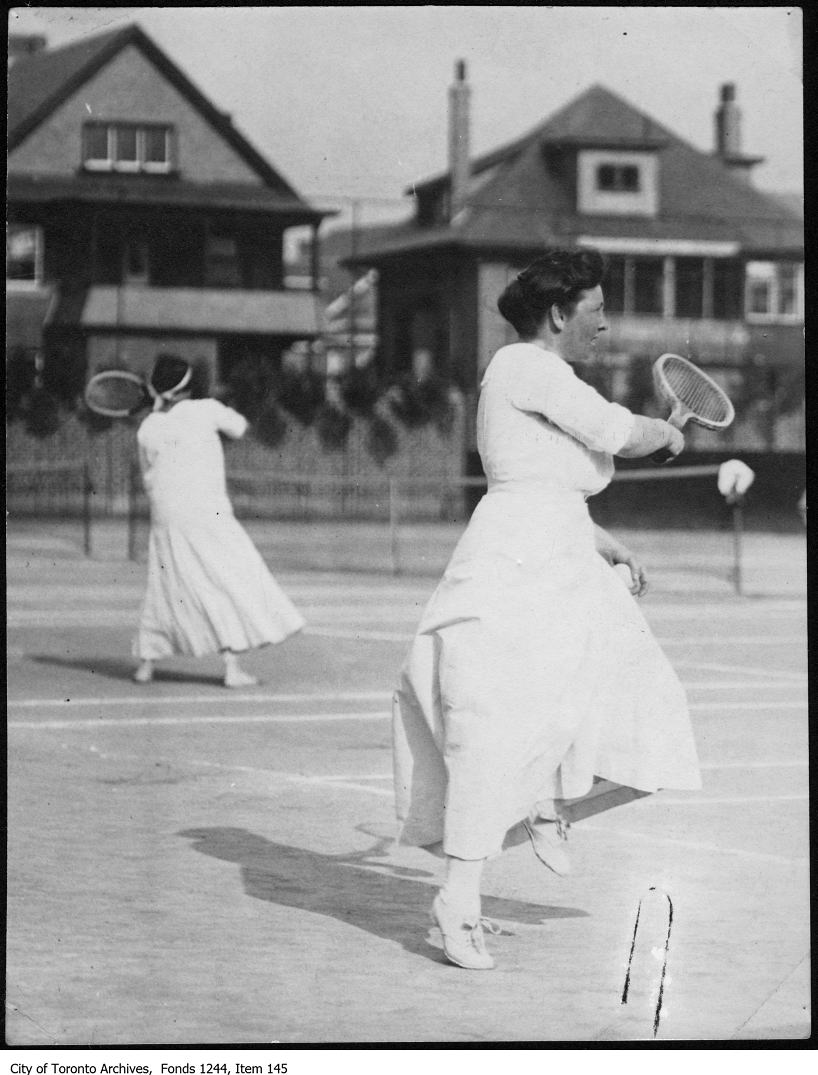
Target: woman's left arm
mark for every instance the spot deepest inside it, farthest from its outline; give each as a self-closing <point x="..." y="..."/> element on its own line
<point x="616" y="553"/>
<point x="229" y="422"/>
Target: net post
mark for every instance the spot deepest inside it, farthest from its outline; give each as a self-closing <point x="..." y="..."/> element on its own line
<point x="86" y="508"/>
<point x="132" y="512"/>
<point x="394" y="554"/>
<point x="738" y="528"/>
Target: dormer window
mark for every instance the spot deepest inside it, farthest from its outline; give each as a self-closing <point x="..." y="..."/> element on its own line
<point x="617" y="177"/>
<point x="127" y="147"/>
<point x="612" y="182"/>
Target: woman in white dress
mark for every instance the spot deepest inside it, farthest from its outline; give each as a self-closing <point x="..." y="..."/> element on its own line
<point x="208" y="589"/>
<point x="532" y="670"/>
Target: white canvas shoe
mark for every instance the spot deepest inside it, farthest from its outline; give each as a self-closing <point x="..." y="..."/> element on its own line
<point x="462" y="935"/>
<point x="547" y="839"/>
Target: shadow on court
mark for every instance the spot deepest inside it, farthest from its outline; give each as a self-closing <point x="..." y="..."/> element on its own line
<point x="347" y="888"/>
<point x="121" y="668"/>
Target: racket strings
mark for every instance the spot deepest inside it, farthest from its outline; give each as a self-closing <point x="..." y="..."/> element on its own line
<point x="113" y="393"/>
<point x="698" y="393"/>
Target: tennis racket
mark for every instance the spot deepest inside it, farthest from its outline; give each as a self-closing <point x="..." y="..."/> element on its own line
<point x="692" y="397"/>
<point x="117" y="394"/>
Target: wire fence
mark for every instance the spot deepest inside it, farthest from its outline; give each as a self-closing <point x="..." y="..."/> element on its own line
<point x="51" y="491"/>
<point x="409" y="525"/>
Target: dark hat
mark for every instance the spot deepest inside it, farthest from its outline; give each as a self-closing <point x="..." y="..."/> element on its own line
<point x="169" y="374"/>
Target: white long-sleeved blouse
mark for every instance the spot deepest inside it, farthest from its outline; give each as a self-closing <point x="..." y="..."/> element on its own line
<point x="538" y="422"/>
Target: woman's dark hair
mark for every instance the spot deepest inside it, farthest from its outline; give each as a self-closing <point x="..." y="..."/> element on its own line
<point x="556" y="277"/>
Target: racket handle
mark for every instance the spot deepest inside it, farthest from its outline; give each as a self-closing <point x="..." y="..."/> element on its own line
<point x="664" y="455"/>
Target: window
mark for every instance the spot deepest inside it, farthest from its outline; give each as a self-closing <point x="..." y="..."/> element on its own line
<point x="222" y="260"/>
<point x="24" y="253"/>
<point x="614" y="182"/>
<point x="728" y="277"/>
<point x="613" y="286"/>
<point x="689" y="287"/>
<point x="648" y="284"/>
<point x="774" y="291"/>
<point x="617" y="177"/>
<point x="126" y="147"/>
<point x="788" y="290"/>
<point x="136" y="262"/>
<point x="157" y="147"/>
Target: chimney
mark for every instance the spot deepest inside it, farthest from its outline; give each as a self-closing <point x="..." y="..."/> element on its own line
<point x="728" y="135"/>
<point x="459" y="166"/>
<point x="728" y="123"/>
<point x="23" y="45"/>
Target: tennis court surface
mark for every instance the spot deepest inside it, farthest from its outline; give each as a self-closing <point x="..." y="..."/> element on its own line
<point x="189" y="865"/>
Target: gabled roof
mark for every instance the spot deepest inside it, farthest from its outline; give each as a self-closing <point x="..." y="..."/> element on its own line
<point x="596" y="117"/>
<point x="40" y="83"/>
<point x="515" y="202"/>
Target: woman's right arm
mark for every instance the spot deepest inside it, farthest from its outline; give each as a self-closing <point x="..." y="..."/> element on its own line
<point x="648" y="435"/>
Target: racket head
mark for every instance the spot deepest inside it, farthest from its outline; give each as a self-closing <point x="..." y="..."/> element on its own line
<point x="116" y="394"/>
<point x="691" y="393"/>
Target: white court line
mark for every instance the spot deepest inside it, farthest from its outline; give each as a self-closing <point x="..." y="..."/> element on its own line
<point x="768" y="673"/>
<point x="747" y="705"/>
<point x="736" y="640"/>
<point x="729" y="800"/>
<point x="78" y="617"/>
<point x="691" y="845"/>
<point x="294" y="718"/>
<point x="144" y="722"/>
<point x="326" y="781"/>
<point x="743" y="685"/>
<point x="198" y="699"/>
<point x="368" y="635"/>
<point x="110" y="703"/>
<point x="713" y="609"/>
<point x="715" y="765"/>
<point x="358" y="635"/>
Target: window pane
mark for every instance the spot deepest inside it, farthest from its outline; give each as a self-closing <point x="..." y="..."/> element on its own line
<point x="760" y="297"/>
<point x="606" y="177"/>
<point x="689" y="287"/>
<point x="96" y="142"/>
<point x="21" y="252"/>
<point x="136" y="260"/>
<point x="760" y="277"/>
<point x="630" y="178"/>
<point x="788" y="289"/>
<point x="613" y="286"/>
<point x="647" y="286"/>
<point x="222" y="261"/>
<point x="126" y="144"/>
<point x="728" y="284"/>
<point x="156" y="145"/>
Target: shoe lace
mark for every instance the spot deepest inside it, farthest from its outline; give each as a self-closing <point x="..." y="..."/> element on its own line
<point x="490" y="926"/>
<point x="476" y="932"/>
<point x="562" y="828"/>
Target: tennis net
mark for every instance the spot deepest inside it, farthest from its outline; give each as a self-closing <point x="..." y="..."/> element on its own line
<point x="410" y="525"/>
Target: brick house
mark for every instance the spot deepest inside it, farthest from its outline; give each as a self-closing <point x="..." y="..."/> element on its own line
<point x="699" y="261"/>
<point x="140" y="218"/>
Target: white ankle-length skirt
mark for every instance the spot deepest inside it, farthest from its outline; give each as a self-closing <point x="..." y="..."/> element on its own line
<point x="208" y="590"/>
<point x="532" y="671"/>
